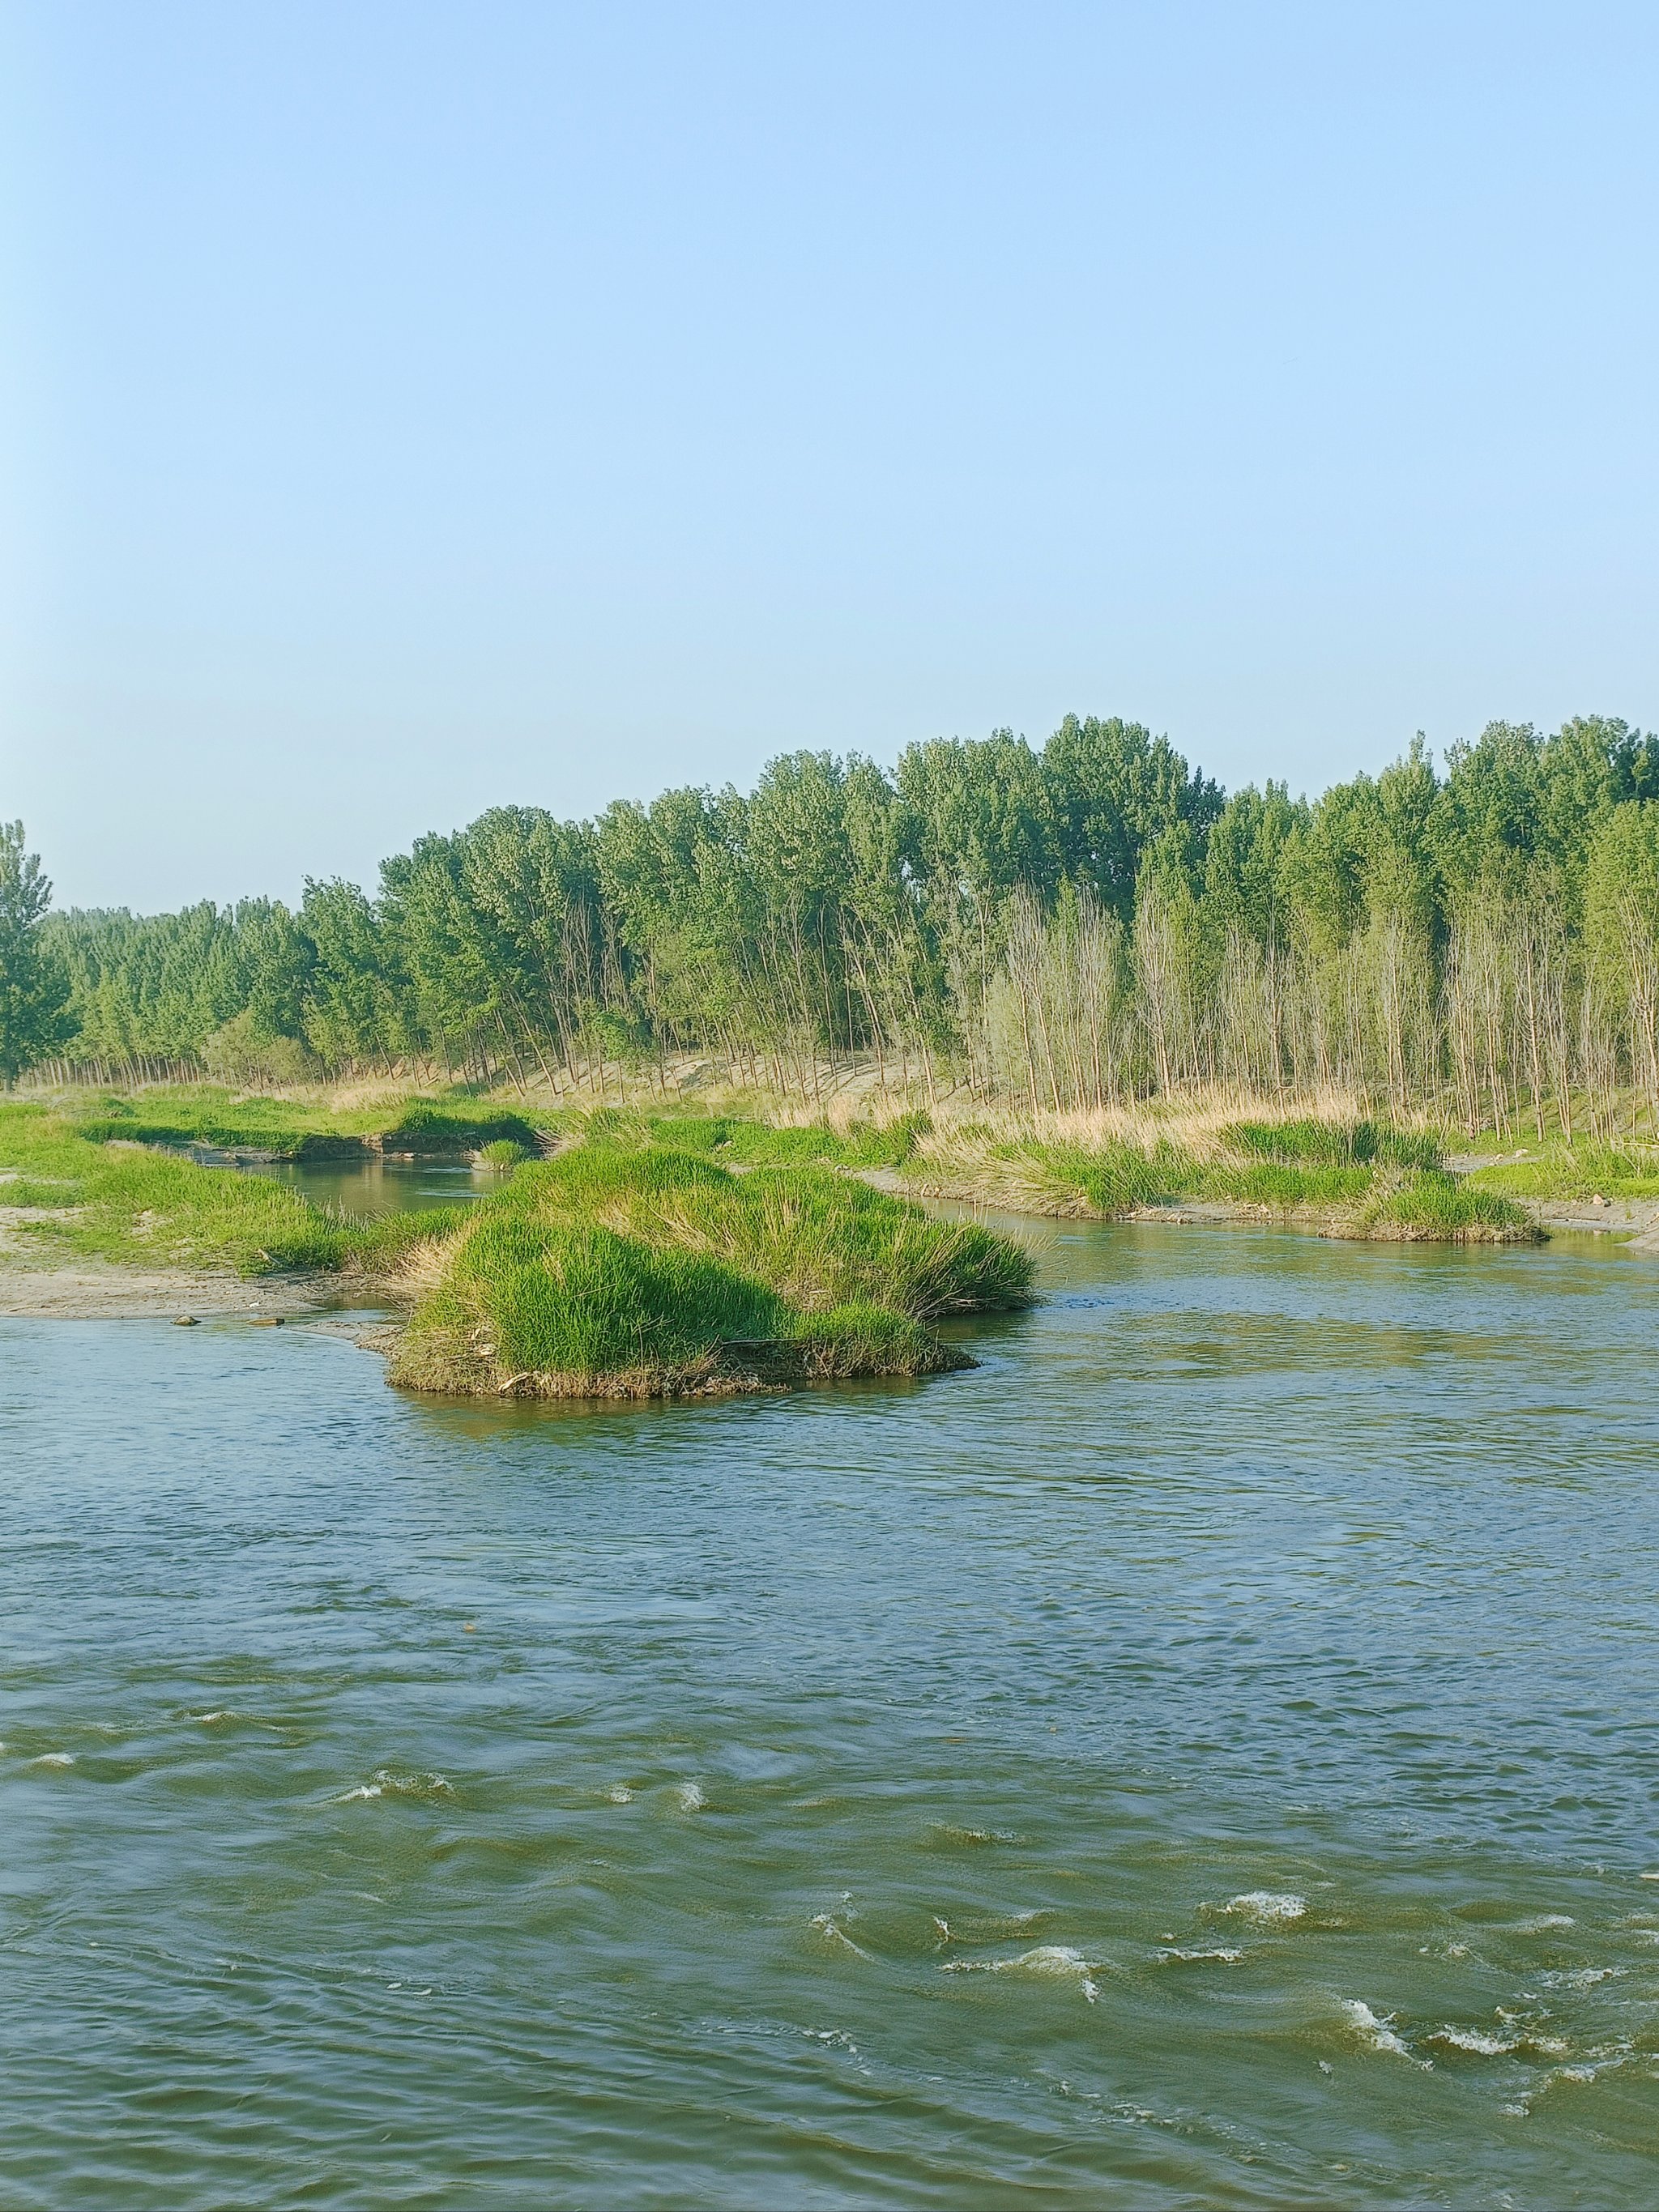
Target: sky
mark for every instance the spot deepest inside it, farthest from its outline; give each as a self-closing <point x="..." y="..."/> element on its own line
<point x="407" y="408"/>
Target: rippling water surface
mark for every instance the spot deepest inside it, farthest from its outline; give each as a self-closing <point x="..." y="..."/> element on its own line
<point x="1206" y="1756"/>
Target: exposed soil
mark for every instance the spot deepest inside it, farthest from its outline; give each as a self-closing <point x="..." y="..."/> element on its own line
<point x="37" y="1281"/>
<point x="85" y="1290"/>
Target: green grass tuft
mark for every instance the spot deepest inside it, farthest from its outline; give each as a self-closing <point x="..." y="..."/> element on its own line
<point x="1435" y="1206"/>
<point x="1282" y="1185"/>
<point x="1112" y="1178"/>
<point x="1334" y="1144"/>
<point x="529" y="1296"/>
<point x="618" y="1269"/>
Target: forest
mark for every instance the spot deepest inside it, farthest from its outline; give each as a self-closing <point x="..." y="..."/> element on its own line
<point x="1080" y="925"/>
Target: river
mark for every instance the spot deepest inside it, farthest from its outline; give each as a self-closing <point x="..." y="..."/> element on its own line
<point x="1206" y="1756"/>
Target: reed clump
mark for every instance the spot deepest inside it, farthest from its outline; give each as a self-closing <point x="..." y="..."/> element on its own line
<point x="1305" y="1142"/>
<point x="1345" y="1172"/>
<point x="1430" y="1207"/>
<point x="623" y="1270"/>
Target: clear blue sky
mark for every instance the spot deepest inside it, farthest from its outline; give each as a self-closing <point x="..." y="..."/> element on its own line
<point x="413" y="407"/>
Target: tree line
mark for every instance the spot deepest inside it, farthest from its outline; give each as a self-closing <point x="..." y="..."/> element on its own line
<point x="1073" y="925"/>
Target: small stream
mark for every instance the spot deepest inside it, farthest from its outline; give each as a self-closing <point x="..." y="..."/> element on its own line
<point x="367" y="1187"/>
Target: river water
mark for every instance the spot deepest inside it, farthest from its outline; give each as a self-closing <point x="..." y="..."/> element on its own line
<point x="1206" y="1757"/>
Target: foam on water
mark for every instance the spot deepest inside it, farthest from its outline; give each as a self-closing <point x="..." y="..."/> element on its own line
<point x="1488" y="2042"/>
<point x="1377" y="2033"/>
<point x="834" y="1932"/>
<point x="1051" y="1958"/>
<point x="391" y="1782"/>
<point x="1268" y="1907"/>
<point x="1478" y="2040"/>
<point x="690" y="1798"/>
<point x="1581" y="1978"/>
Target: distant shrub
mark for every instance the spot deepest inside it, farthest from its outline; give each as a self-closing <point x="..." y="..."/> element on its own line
<point x="425" y="1126"/>
<point x="242" y="1053"/>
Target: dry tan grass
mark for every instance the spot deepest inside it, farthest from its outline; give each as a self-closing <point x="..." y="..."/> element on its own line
<point x="423" y="1266"/>
<point x="964" y="1126"/>
<point x="996" y="1154"/>
<point x="1192" y="1121"/>
<point x="855" y="1092"/>
<point x="367" y="1090"/>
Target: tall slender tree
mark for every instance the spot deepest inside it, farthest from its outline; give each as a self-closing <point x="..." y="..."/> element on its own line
<point x="34" y="985"/>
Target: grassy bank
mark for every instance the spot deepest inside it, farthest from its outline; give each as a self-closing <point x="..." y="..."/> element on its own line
<point x="124" y="1203"/>
<point x="1574" y="1171"/>
<point x="1321" y="1162"/>
<point x="1353" y="1176"/>
<point x="623" y="1268"/>
<point x="634" y="1270"/>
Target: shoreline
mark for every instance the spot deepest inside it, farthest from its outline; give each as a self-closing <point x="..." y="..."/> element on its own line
<point x="1634" y="1221"/>
<point x="80" y="1289"/>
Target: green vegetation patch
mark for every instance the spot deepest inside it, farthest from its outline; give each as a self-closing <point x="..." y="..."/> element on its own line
<point x="142" y="1208"/>
<point x="1110" y="1178"/>
<point x="1435" y="1208"/>
<point x="735" y="1140"/>
<point x="438" y="1128"/>
<point x="205" y="1113"/>
<point x="1285" y="1186"/>
<point x="1114" y="1179"/>
<point x="620" y="1270"/>
<point x="1334" y="1144"/>
<point x="1582" y="1170"/>
<point x="189" y="1114"/>
<point x="1362" y="1177"/>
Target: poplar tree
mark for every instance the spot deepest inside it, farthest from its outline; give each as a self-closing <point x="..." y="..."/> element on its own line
<point x="33" y="986"/>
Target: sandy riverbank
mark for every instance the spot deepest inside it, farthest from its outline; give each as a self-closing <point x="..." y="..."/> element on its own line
<point x="83" y="1289"/>
<point x="36" y="1282"/>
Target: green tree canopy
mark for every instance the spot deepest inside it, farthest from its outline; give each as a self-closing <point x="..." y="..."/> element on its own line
<point x="34" y="985"/>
